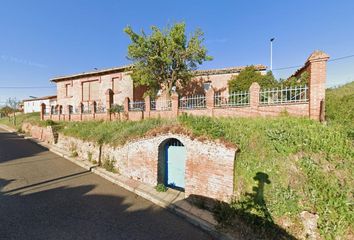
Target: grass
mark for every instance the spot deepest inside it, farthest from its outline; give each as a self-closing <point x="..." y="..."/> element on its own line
<point x="308" y="166"/>
<point x="114" y="133"/>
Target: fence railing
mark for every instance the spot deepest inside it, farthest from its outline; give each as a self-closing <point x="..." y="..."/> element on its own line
<point x="296" y="94"/>
<point x="234" y="99"/>
<point x="100" y="109"/>
<point x="160" y="105"/>
<point x="137" y="106"/>
<point x="192" y="102"/>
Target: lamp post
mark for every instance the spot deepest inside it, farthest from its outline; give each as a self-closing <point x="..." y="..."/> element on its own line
<point x="271" y="53"/>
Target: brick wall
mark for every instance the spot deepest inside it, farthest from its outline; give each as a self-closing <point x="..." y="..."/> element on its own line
<point x="313" y="108"/>
<point x="208" y="171"/>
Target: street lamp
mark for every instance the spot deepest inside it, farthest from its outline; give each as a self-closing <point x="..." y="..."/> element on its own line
<point x="271" y="53"/>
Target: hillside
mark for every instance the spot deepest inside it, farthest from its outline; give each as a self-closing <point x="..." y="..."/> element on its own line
<point x="286" y="166"/>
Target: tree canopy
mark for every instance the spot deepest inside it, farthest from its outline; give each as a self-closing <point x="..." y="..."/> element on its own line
<point x="166" y="58"/>
<point x="247" y="76"/>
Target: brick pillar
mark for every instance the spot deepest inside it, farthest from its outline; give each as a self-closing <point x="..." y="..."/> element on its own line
<point x="174" y="102"/>
<point x="68" y="112"/>
<point x="209" y="98"/>
<point x="147" y="107"/>
<point x="92" y="108"/>
<point x="109" y="102"/>
<point x="254" y="96"/>
<point x="126" y="108"/>
<point x="317" y="65"/>
<point x="80" y="109"/>
<point x="42" y="111"/>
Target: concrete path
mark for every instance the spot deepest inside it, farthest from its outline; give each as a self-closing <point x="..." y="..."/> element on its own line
<point x="43" y="196"/>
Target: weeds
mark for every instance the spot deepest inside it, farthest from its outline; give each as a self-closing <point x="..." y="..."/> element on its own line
<point x="160" y="187"/>
<point x="108" y="164"/>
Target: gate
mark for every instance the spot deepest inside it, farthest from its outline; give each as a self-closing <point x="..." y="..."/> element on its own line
<point x="176" y="155"/>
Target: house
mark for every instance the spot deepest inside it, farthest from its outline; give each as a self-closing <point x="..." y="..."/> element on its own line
<point x="89" y="88"/>
<point x="92" y="96"/>
<point x="34" y="104"/>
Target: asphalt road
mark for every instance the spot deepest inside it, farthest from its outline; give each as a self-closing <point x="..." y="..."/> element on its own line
<point x="43" y="196"/>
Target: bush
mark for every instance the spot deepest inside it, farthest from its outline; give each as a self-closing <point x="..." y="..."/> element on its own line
<point x="249" y="75"/>
<point x="161" y="187"/>
<point x="108" y="164"/>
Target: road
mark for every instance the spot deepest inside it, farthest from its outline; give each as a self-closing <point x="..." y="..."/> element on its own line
<point x="44" y="196"/>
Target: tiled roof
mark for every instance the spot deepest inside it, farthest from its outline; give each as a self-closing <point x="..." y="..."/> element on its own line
<point x="40" y="98"/>
<point x="258" y="67"/>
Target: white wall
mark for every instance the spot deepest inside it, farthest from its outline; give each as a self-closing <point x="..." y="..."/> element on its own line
<point x="34" y="105"/>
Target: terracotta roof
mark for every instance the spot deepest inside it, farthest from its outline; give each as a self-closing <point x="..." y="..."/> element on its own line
<point x="258" y="67"/>
<point x="92" y="73"/>
<point x="40" y="98"/>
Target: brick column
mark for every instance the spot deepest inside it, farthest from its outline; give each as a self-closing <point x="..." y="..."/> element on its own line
<point x="109" y="102"/>
<point x="209" y="98"/>
<point x="80" y="109"/>
<point x="92" y="107"/>
<point x="174" y="103"/>
<point x="254" y="96"/>
<point x="68" y="112"/>
<point x="42" y="111"/>
<point x="317" y="65"/>
<point x="147" y="107"/>
<point x="126" y="107"/>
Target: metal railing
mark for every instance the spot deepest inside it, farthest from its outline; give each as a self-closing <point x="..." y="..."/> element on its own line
<point x="297" y="94"/>
<point x="137" y="106"/>
<point x="161" y="105"/>
<point x="234" y="99"/>
<point x="86" y="109"/>
<point x="192" y="102"/>
<point x="100" y="109"/>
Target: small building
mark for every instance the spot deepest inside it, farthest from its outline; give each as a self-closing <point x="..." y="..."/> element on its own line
<point x="34" y="104"/>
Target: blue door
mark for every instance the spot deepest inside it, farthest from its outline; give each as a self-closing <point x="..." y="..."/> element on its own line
<point x="175" y="163"/>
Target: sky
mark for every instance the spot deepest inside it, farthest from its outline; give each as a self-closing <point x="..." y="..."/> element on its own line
<point x="41" y="39"/>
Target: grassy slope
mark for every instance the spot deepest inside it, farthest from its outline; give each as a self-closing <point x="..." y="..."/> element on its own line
<point x="309" y="165"/>
<point x="21" y="118"/>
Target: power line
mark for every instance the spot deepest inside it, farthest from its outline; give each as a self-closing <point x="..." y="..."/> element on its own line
<point x="27" y="87"/>
<point x="330" y="60"/>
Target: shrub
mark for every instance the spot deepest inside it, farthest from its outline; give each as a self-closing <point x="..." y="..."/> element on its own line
<point x="161" y="187"/>
<point x="108" y="164"/>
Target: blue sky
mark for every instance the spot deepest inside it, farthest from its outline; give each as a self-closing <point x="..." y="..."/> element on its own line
<point x="40" y="39"/>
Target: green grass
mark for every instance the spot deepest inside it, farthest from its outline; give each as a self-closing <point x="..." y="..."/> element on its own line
<point x="340" y="107"/>
<point x="308" y="166"/>
<point x="21" y="118"/>
<point x="114" y="133"/>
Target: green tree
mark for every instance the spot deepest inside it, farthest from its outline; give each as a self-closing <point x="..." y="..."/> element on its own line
<point x="296" y="81"/>
<point x="166" y="58"/>
<point x="247" y="76"/>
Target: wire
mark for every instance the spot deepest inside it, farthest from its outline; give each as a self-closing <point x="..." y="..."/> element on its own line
<point x="26" y="87"/>
<point x="330" y="60"/>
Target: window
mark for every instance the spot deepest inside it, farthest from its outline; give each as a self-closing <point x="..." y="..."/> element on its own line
<point x="68" y="90"/>
<point x="90" y="91"/>
<point x="206" y="86"/>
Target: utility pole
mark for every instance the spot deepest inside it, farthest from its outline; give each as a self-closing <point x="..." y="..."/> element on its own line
<point x="271" y="53"/>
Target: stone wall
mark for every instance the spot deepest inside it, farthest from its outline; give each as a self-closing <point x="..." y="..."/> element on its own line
<point x="44" y="134"/>
<point x="209" y="170"/>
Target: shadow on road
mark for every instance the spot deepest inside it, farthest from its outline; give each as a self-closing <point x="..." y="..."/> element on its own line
<point x="81" y="212"/>
<point x="13" y="147"/>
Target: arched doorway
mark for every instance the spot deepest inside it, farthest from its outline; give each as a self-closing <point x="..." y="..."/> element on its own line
<point x="172" y="163"/>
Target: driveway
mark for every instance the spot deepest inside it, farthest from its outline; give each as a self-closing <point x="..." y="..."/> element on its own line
<point x="44" y="196"/>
